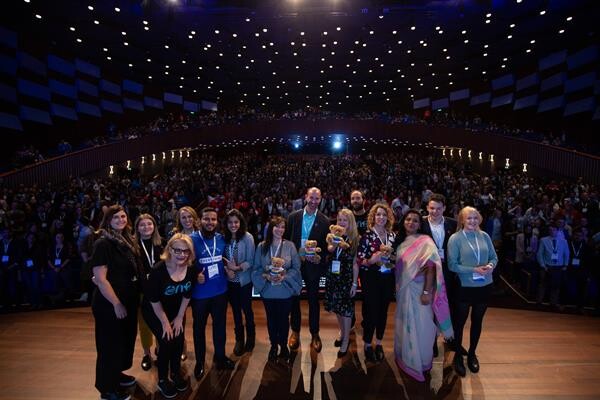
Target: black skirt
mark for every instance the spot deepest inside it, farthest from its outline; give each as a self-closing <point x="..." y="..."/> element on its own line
<point x="474" y="295"/>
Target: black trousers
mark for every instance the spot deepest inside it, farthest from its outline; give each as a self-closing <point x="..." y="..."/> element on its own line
<point x="115" y="338"/>
<point x="278" y="314"/>
<point x="476" y="299"/>
<point x="377" y="292"/>
<point x="311" y="274"/>
<point x="216" y="307"/>
<point x="169" y="351"/>
<point x="240" y="298"/>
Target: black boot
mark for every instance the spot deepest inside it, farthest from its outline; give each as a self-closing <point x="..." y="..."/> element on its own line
<point x="459" y="365"/>
<point x="238" y="349"/>
<point x="250" y="338"/>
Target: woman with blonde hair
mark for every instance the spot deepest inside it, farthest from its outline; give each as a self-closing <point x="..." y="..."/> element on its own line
<point x="342" y="276"/>
<point x="167" y="295"/>
<point x="472" y="256"/>
<point x="187" y="221"/>
<point x="375" y="258"/>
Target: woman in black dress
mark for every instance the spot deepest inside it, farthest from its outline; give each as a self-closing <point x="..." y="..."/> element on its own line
<point x="115" y="265"/>
<point x="151" y="247"/>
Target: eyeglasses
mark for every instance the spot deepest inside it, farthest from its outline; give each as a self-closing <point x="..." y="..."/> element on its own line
<point x="180" y="251"/>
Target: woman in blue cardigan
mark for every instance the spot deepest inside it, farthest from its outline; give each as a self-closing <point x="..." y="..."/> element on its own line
<point x="239" y="256"/>
<point x="276" y="276"/>
<point x="472" y="256"/>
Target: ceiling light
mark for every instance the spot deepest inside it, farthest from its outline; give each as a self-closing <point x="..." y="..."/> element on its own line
<point x="72" y="29"/>
<point x="542" y="12"/>
<point x="117" y="9"/>
<point x="145" y="22"/>
<point x="561" y="31"/>
<point x="38" y="16"/>
<point x="488" y="15"/>
<point x="96" y="22"/>
<point x="146" y="28"/>
<point x="90" y="8"/>
<point x="569" y="18"/>
<point x="78" y="40"/>
<point x="166" y="46"/>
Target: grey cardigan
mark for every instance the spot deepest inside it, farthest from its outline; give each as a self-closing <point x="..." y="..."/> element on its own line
<point x="292" y="283"/>
<point x="245" y="258"/>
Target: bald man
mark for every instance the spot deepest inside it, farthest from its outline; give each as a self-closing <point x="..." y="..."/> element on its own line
<point x="302" y="225"/>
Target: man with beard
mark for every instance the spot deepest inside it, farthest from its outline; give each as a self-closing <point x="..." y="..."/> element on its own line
<point x="209" y="296"/>
<point x="357" y="202"/>
<point x="302" y="225"/>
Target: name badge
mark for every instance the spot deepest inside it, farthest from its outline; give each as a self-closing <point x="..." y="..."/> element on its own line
<point x="554" y="257"/>
<point x="29" y="263"/>
<point x="584" y="210"/>
<point x="335" y="266"/>
<point x="213" y="270"/>
<point x="441" y="253"/>
<point x="4" y="259"/>
<point x="478" y="277"/>
<point x="385" y="270"/>
<point x="575" y="262"/>
<point x="57" y="262"/>
<point x="44" y="225"/>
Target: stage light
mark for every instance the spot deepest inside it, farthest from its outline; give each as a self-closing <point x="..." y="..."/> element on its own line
<point x="128" y="164"/>
<point x="337" y="145"/>
<point x="524" y="167"/>
<point x="460" y="152"/>
<point x="480" y="155"/>
<point x="143" y="160"/>
<point x="469" y="153"/>
<point x="491" y="158"/>
<point x="451" y="152"/>
<point x="111" y="169"/>
<point x="443" y="152"/>
<point x="296" y="145"/>
<point x="507" y="164"/>
<point x="164" y="155"/>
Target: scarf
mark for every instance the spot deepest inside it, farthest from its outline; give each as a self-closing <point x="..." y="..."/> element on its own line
<point x="125" y="247"/>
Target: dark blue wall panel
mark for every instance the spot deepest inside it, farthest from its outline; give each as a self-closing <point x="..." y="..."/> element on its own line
<point x="63" y="112"/>
<point x="61" y="65"/>
<point x="87" y="88"/>
<point x="10" y="121"/>
<point x="133" y="104"/>
<point x="63" y="89"/>
<point x="35" y="115"/>
<point x="154" y="103"/>
<point x="33" y="89"/>
<point x="87" y="68"/>
<point x="89" y="109"/>
<point x="133" y="87"/>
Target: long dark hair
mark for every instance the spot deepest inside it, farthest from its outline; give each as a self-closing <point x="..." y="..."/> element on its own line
<point x="243" y="225"/>
<point x="269" y="238"/>
<point x="127" y="232"/>
<point x="401" y="236"/>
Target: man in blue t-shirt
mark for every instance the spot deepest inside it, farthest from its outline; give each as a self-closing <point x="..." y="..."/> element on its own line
<point x="210" y="294"/>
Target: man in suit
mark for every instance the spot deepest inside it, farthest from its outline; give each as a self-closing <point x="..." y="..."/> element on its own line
<point x="440" y="228"/>
<point x="302" y="225"/>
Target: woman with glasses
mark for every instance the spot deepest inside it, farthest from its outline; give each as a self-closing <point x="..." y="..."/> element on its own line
<point x="167" y="294"/>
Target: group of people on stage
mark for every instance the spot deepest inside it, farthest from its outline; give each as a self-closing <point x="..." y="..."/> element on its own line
<point x="438" y="268"/>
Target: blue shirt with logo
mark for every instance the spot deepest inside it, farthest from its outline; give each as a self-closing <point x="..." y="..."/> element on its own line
<point x="160" y="287"/>
<point x="209" y="261"/>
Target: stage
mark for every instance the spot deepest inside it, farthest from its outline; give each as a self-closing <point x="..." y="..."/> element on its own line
<point x="523" y="355"/>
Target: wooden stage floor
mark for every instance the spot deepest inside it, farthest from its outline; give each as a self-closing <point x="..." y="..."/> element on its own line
<point x="523" y="355"/>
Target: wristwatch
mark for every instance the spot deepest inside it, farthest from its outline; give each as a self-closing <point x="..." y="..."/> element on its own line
<point x="425" y="292"/>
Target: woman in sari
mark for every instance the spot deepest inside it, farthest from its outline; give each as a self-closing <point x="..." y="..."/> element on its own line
<point x="421" y="300"/>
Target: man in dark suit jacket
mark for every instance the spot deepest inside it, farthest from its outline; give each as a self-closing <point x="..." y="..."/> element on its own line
<point x="308" y="224"/>
<point x="440" y="228"/>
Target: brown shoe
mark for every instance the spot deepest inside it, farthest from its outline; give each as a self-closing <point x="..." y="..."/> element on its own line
<point x="316" y="343"/>
<point x="294" y="341"/>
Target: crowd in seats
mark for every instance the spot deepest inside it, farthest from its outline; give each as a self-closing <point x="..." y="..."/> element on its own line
<point x="174" y="122"/>
<point x="46" y="217"/>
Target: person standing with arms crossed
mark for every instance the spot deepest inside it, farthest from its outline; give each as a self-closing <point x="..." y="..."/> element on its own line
<point x="308" y="224"/>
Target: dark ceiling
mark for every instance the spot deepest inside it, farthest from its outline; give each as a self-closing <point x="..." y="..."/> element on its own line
<point x="296" y="53"/>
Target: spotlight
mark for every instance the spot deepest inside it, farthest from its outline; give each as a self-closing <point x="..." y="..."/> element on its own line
<point x="337" y="145"/>
<point x="296" y="145"/>
<point x="524" y="167"/>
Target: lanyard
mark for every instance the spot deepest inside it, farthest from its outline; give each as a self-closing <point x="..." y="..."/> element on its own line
<point x="384" y="242"/>
<point x="476" y="253"/>
<point x="231" y="248"/>
<point x="150" y="259"/>
<point x="6" y="244"/>
<point x="276" y="251"/>
<point x="338" y="251"/>
<point x="576" y="253"/>
<point x="206" y="246"/>
<point x="57" y="251"/>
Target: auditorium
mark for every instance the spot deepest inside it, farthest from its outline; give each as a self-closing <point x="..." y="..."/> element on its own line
<point x="299" y="199"/>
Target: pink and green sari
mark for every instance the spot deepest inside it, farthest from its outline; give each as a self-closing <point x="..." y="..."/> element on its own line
<point x="416" y="325"/>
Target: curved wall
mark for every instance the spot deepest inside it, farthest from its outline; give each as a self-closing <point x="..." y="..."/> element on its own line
<point x="561" y="161"/>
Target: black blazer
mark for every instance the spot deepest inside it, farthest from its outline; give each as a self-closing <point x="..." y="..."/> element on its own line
<point x="449" y="229"/>
<point x="319" y="231"/>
